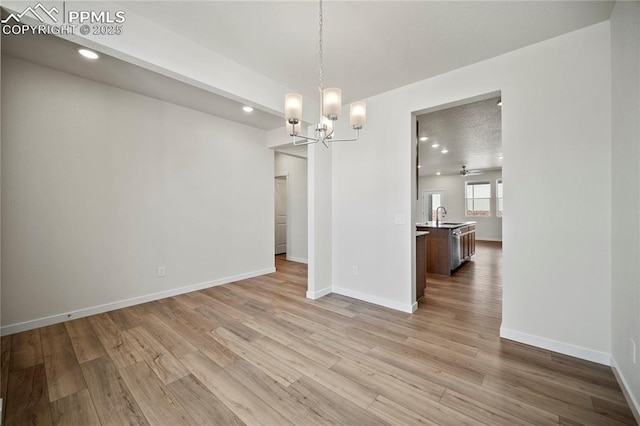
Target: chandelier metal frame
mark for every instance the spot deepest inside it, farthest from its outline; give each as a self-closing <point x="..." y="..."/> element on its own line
<point x="330" y="107"/>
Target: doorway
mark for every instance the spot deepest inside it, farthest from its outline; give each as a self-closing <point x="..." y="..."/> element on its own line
<point x="431" y="200"/>
<point x="458" y="154"/>
<point x="280" y="191"/>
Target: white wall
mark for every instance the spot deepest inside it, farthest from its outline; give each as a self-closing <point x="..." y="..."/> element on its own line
<point x="295" y="168"/>
<point x="488" y="228"/>
<point x="101" y="186"/>
<point x="557" y="119"/>
<point x="320" y="226"/>
<point x="625" y="43"/>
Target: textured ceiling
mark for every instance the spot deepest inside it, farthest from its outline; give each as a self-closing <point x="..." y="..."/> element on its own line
<point x="471" y="132"/>
<point x="370" y="46"/>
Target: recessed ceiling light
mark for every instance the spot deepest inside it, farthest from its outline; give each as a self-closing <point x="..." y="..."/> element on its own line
<point x="500" y="156"/>
<point x="438" y="173"/>
<point x="88" y="53"/>
<point x="247" y="108"/>
<point x="424" y="138"/>
<point x="435" y="145"/>
<point x="444" y="151"/>
<point x="419" y="166"/>
<point x="499" y="102"/>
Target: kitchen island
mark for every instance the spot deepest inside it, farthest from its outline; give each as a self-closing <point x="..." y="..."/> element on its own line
<point x="449" y="245"/>
<point x="421" y="263"/>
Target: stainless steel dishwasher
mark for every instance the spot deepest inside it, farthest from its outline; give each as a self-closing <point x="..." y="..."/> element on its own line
<point x="456" y="253"/>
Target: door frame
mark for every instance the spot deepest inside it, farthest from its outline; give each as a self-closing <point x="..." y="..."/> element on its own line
<point x="415" y="187"/>
<point x="284" y="175"/>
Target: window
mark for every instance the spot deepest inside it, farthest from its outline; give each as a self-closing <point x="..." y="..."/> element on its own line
<point x="499" y="198"/>
<point x="478" y="198"/>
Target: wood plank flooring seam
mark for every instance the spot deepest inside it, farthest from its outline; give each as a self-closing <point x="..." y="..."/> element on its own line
<point x="258" y="352"/>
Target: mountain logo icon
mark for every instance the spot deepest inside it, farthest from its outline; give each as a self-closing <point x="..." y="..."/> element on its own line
<point x="34" y="11"/>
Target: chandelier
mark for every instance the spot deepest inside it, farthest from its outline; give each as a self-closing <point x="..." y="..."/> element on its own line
<point x="330" y="110"/>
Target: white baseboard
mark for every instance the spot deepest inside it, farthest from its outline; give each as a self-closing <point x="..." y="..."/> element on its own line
<point x="365" y="298"/>
<point x="555" y="346"/>
<point x="297" y="259"/>
<point x="313" y="295"/>
<point x="85" y="312"/>
<point x="626" y="390"/>
<point x="408" y="308"/>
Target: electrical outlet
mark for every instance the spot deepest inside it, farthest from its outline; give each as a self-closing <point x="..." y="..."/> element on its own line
<point x="633" y="350"/>
<point x="161" y="271"/>
<point x="356" y="271"/>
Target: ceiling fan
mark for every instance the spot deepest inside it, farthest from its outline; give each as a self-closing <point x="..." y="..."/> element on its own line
<point x="465" y="172"/>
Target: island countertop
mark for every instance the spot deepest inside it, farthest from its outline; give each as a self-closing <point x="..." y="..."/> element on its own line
<point x="444" y="225"/>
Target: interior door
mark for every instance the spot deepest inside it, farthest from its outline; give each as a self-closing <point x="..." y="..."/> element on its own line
<point x="431" y="200"/>
<point x="281" y="214"/>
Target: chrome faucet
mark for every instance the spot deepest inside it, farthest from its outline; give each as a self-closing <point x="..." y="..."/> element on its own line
<point x="444" y="211"/>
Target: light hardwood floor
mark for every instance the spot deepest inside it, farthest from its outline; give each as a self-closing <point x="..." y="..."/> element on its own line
<point x="258" y="352"/>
